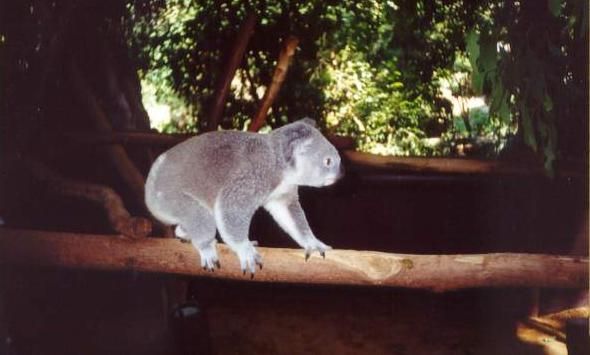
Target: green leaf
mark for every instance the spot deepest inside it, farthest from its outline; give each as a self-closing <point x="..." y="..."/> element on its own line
<point x="472" y="48"/>
<point x="488" y="59"/>
<point x="550" y="158"/>
<point x="397" y="85"/>
<point x="528" y="129"/>
<point x="499" y="105"/>
<point x="554" y="7"/>
<point x="481" y="50"/>
<point x="497" y="96"/>
<point x="548" y="136"/>
<point x="547" y="103"/>
<point x="537" y="83"/>
<point x="477" y="80"/>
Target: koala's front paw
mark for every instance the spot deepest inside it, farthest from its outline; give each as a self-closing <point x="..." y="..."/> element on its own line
<point x="209" y="259"/>
<point x="249" y="257"/>
<point x="314" y="244"/>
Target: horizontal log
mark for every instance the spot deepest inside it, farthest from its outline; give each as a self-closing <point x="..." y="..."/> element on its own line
<point x="465" y="166"/>
<point x="443" y="165"/>
<point x="462" y="166"/>
<point x="127" y="138"/>
<point x="342" y="267"/>
<point x="162" y="140"/>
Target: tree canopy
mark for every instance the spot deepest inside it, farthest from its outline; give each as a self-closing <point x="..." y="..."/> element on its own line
<point x="373" y="69"/>
<point x="390" y="74"/>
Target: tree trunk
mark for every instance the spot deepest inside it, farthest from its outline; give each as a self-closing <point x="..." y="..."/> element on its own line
<point x="278" y="77"/>
<point x="116" y="153"/>
<point x="211" y="121"/>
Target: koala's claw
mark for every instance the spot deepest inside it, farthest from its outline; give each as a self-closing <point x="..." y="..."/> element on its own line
<point x="209" y="259"/>
<point x="252" y="272"/>
<point x="315" y="245"/>
<point x="210" y="265"/>
<point x="249" y="257"/>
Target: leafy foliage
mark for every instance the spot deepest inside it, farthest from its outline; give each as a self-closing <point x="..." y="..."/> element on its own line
<point x="528" y="59"/>
<point x="370" y="69"/>
<point x="364" y="95"/>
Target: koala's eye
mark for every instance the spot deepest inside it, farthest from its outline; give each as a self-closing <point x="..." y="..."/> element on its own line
<point x="328" y="162"/>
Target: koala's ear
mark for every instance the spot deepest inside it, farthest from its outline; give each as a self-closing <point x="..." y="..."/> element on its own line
<point x="309" y="121"/>
<point x="295" y="136"/>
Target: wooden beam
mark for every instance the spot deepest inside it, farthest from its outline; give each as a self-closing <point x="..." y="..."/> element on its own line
<point x="343" y="267"/>
<point x="465" y="166"/>
<point x="127" y="138"/>
<point x="443" y="165"/>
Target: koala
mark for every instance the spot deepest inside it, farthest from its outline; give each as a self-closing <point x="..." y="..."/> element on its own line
<point x="217" y="180"/>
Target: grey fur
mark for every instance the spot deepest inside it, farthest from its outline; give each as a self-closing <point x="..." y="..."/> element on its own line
<point x="216" y="181"/>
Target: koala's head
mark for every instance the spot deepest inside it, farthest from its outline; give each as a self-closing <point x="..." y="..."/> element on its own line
<point x="311" y="160"/>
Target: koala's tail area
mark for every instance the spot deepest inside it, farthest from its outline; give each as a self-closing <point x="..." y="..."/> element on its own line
<point x="153" y="199"/>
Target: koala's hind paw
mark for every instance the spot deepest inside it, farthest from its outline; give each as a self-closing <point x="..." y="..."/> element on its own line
<point x="249" y="257"/>
<point x="315" y="245"/>
<point x="209" y="259"/>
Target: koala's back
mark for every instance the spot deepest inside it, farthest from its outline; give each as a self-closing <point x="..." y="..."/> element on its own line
<point x="201" y="166"/>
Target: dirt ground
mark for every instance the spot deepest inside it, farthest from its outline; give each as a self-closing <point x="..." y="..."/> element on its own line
<point x="52" y="312"/>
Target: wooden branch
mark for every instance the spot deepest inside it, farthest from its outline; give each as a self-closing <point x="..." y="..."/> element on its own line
<point x="439" y="165"/>
<point x="278" y="77"/>
<point x="161" y="140"/>
<point x="553" y="324"/>
<point x="342" y="267"/>
<point x="565" y="315"/>
<point x="223" y="82"/>
<point x="127" y="138"/>
<point x="119" y="218"/>
<point x="386" y="163"/>
<point x="450" y="165"/>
